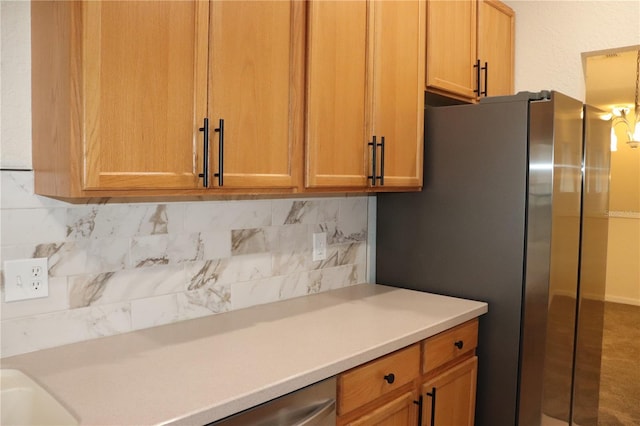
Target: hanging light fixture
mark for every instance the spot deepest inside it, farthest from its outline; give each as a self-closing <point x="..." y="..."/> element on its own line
<point x="632" y="130"/>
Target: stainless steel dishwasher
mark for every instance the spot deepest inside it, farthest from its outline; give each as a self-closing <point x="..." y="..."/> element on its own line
<point x="314" y="405"/>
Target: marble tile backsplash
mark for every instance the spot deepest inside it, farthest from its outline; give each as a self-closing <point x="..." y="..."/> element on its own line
<point x="115" y="267"/>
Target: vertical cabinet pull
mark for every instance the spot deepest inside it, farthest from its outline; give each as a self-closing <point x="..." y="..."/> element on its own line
<point x="374" y="162"/>
<point x="432" y="394"/>
<point x="477" y="67"/>
<point x="381" y="176"/>
<point x="419" y="404"/>
<point x="205" y="163"/>
<point x="220" y="130"/>
<point x="486" y="78"/>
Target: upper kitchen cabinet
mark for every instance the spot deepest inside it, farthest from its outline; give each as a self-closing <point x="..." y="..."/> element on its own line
<point x="496" y="29"/>
<point x="470" y="48"/>
<point x="365" y="84"/>
<point x="125" y="95"/>
<point x="256" y="93"/>
<point x="118" y="92"/>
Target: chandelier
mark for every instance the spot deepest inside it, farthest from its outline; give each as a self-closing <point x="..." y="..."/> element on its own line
<point x="620" y="117"/>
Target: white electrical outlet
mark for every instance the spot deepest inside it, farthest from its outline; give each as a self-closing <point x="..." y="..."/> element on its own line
<point x="319" y="251"/>
<point x="26" y="279"/>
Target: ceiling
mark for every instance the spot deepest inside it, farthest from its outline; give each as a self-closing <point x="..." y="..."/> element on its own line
<point x="610" y="78"/>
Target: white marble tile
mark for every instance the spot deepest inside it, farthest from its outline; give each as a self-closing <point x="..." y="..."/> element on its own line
<point x="352" y="253"/>
<point x="289" y="263"/>
<point x="32" y="226"/>
<point x="329" y="262"/>
<point x="165" y="249"/>
<point x="16" y="192"/>
<point x="332" y="278"/>
<point x="123" y="220"/>
<point x="216" y="215"/>
<point x="289" y="212"/>
<point x="22" y="335"/>
<point x="352" y="220"/>
<point x="16" y="252"/>
<point x="294" y="238"/>
<point x="182" y="306"/>
<point x="56" y="301"/>
<point x="154" y="311"/>
<point x="217" y="244"/>
<point x="130" y="284"/>
<point x="255" y="240"/>
<point x="338" y="235"/>
<point x="84" y="256"/>
<point x="268" y="290"/>
<point x="205" y="301"/>
<point x="228" y="270"/>
<point x="256" y="292"/>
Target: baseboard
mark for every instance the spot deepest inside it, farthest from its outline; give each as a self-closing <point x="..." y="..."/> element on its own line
<point x="623" y="300"/>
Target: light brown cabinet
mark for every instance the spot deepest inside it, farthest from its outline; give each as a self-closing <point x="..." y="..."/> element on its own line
<point x="255" y="85"/>
<point x="449" y="368"/>
<point x="121" y="90"/>
<point x="365" y="68"/>
<point x="118" y="89"/>
<point x="433" y="381"/>
<point x="202" y="98"/>
<point x="470" y="48"/>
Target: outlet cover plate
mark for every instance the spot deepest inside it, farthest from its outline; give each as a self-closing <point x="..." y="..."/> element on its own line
<point x="26" y="279"/>
<point x="319" y="251"/>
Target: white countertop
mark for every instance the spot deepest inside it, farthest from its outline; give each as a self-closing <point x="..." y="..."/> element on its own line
<point x="198" y="371"/>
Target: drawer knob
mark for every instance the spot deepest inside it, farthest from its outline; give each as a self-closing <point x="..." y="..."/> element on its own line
<point x="459" y="344"/>
<point x="390" y="378"/>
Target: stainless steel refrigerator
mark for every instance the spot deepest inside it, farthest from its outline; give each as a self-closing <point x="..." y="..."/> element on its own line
<point x="501" y="219"/>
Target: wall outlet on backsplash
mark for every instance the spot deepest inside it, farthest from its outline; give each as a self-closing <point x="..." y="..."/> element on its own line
<point x="25" y="279"/>
<point x="319" y="246"/>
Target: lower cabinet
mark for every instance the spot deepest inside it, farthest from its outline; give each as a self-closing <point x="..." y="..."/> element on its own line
<point x="430" y="383"/>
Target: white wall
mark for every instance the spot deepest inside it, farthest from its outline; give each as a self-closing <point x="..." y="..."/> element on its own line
<point x="552" y="35"/>
<point x="15" y="82"/>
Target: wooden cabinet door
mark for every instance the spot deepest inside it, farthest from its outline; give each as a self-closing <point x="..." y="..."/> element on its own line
<point x="496" y="29"/>
<point x="451" y="48"/>
<point x="449" y="398"/>
<point x="398" y="89"/>
<point x="256" y="79"/>
<point x="399" y="411"/>
<point x="143" y="93"/>
<point x="336" y="154"/>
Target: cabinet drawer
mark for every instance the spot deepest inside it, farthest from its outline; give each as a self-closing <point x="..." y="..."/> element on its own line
<point x="367" y="382"/>
<point x="449" y="344"/>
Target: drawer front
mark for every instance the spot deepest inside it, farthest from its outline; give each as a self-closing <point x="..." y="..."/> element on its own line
<point x="367" y="382"/>
<point x="449" y="344"/>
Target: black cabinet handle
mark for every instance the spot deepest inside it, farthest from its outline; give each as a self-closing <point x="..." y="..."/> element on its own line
<point x="374" y="162"/>
<point x="220" y="130"/>
<point x="477" y="67"/>
<point x="390" y="378"/>
<point x="459" y="344"/>
<point x="486" y="78"/>
<point x="432" y="394"/>
<point x="205" y="163"/>
<point x="381" y="176"/>
<point x="419" y="404"/>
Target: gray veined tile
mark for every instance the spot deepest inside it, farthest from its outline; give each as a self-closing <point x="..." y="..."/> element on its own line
<point x="289" y="212"/>
<point x="84" y="291"/>
<point x="352" y="253"/>
<point x="84" y="256"/>
<point x="166" y="249"/>
<point x="123" y="220"/>
<point x="224" y="215"/>
<point x="255" y="240"/>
